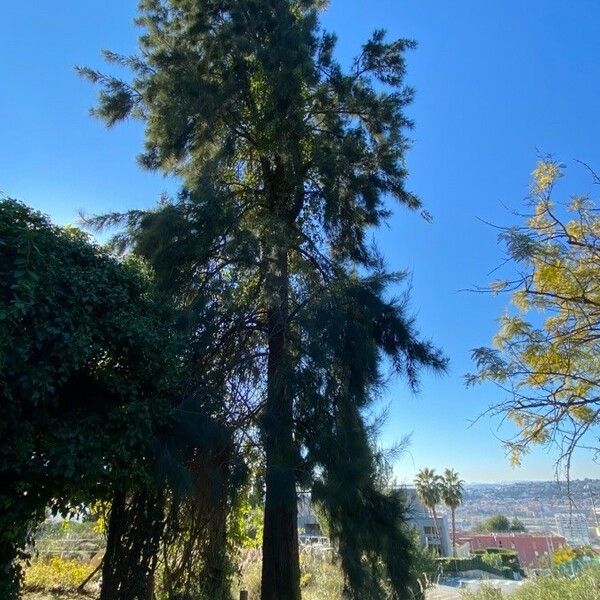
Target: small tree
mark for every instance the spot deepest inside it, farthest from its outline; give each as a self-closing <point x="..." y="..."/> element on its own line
<point x="546" y="353"/>
<point x="452" y="495"/>
<point x="499" y="523"/>
<point x="517" y="525"/>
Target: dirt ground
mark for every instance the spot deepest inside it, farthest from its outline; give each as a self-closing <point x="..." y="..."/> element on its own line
<point x="55" y="596"/>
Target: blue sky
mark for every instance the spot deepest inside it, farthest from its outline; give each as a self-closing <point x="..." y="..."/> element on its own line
<point x="496" y="83"/>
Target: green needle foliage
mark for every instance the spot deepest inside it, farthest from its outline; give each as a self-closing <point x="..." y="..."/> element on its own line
<point x="286" y="159"/>
<point x="346" y="334"/>
<point x="86" y="368"/>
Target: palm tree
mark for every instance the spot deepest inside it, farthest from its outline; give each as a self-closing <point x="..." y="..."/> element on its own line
<point x="429" y="491"/>
<point x="452" y="495"/>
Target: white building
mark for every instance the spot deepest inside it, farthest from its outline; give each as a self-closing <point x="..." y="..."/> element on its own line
<point x="308" y="525"/>
<point x="422" y="520"/>
<point x="418" y="516"/>
<point x="574" y="528"/>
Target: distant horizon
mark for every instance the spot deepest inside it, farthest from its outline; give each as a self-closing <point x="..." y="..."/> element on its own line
<point x="529" y="480"/>
<point x="511" y="481"/>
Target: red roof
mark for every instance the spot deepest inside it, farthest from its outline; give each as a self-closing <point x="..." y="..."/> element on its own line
<point x="529" y="546"/>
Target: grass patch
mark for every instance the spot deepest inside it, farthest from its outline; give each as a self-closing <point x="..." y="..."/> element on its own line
<point x="56" y="575"/>
<point x="584" y="586"/>
<point x="320" y="579"/>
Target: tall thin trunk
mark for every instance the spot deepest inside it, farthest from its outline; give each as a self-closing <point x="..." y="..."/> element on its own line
<point x="453" y="510"/>
<point x="437" y="529"/>
<point x="280" y="568"/>
<point x="216" y="580"/>
<point x="116" y="526"/>
<point x="134" y="532"/>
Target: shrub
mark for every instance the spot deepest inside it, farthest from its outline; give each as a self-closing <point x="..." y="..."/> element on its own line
<point x="501" y="558"/>
<point x="56" y="574"/>
<point x="457" y="565"/>
<point x="497" y="561"/>
<point x="493" y="560"/>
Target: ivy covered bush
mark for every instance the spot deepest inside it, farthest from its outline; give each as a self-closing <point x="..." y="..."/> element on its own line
<point x="86" y="361"/>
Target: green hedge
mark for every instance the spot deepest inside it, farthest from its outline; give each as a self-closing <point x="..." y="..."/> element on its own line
<point x="456" y="565"/>
<point x="509" y="561"/>
<point x="508" y="558"/>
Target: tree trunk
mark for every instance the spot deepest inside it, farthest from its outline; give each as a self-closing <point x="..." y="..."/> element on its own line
<point x="453" y="532"/>
<point x="216" y="584"/>
<point x="134" y="532"/>
<point x="280" y="567"/>
<point x="437" y="529"/>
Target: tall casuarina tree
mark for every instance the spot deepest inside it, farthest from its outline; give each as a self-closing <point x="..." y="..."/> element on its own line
<point x="288" y="157"/>
<point x="452" y="495"/>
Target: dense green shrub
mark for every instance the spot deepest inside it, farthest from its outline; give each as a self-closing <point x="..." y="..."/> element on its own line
<point x="501" y="558"/>
<point x="86" y="369"/>
<point x="497" y="523"/>
<point x="457" y="565"/>
<point x="496" y="561"/>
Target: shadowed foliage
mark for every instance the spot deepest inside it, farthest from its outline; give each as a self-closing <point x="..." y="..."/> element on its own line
<point x="87" y="360"/>
<point x="286" y="159"/>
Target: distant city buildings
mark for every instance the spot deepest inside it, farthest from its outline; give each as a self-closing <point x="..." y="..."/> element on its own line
<point x="574" y="528"/>
<point x="534" y="503"/>
<point x="309" y="529"/>
<point x="543" y="507"/>
<point x="595" y="529"/>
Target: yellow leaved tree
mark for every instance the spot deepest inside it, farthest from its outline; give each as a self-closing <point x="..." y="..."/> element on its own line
<point x="546" y="355"/>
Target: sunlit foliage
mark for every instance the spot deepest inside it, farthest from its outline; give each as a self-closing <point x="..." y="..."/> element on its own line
<point x="545" y="354"/>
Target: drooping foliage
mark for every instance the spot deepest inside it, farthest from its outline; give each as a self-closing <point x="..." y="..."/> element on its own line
<point x="545" y="355"/>
<point x="286" y="159"/>
<point x="199" y="455"/>
<point x="345" y="335"/>
<point x="86" y="361"/>
<point x="340" y="335"/>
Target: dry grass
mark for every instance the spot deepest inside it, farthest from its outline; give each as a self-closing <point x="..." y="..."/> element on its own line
<point x="584" y="586"/>
<point x="321" y="579"/>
